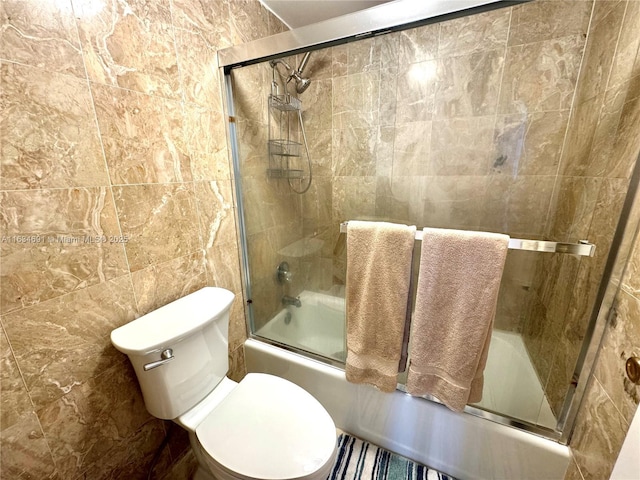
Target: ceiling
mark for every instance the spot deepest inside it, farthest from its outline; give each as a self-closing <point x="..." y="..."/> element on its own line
<point x="298" y="13"/>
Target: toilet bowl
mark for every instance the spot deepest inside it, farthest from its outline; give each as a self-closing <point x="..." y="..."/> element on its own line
<point x="263" y="428"/>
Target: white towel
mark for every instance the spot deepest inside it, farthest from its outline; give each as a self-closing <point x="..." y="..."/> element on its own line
<point x="377" y="291"/>
<point x="456" y="298"/>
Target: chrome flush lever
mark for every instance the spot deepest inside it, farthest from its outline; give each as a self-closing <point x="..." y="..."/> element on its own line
<point x="166" y="355"/>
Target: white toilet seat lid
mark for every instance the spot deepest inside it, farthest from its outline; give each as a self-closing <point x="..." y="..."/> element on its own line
<point x="269" y="428"/>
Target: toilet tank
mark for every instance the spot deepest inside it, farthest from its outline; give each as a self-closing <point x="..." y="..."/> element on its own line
<point x="195" y="328"/>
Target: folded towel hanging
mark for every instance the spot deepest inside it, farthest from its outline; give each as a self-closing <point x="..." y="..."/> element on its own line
<point x="456" y="298"/>
<point x="377" y="293"/>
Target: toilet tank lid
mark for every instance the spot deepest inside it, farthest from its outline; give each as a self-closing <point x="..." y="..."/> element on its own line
<point x="172" y="322"/>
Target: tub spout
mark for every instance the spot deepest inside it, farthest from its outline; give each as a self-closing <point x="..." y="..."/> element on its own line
<point x="287" y="300"/>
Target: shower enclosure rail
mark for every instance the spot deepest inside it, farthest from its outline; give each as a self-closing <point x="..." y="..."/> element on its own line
<point x="582" y="249"/>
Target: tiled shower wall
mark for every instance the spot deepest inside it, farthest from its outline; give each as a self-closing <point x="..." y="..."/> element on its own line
<point x="601" y="148"/>
<point x="115" y="199"/>
<point x="459" y="125"/>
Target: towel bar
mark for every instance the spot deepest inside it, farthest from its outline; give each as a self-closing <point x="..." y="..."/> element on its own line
<point x="583" y="249"/>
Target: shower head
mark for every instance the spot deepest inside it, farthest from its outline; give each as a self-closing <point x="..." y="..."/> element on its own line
<point x="301" y="83"/>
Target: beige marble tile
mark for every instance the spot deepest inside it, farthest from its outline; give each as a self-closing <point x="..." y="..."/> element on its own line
<point x="74" y="242"/>
<point x="206" y="143"/>
<point x="544" y="20"/>
<point x="321" y="151"/>
<point x="354" y="151"/>
<point x="468" y="85"/>
<point x="41" y="34"/>
<point x="529" y="144"/>
<point x="455" y="201"/>
<point x="631" y="280"/>
<point x="621" y="340"/>
<point x="185" y="468"/>
<point x="249" y="21"/>
<point x="385" y="151"/>
<point x="353" y="198"/>
<point x="223" y="267"/>
<point x="92" y="424"/>
<point x="129" y="44"/>
<point x="401" y="199"/>
<point x="131" y="457"/>
<point x="62" y="343"/>
<point x="623" y="62"/>
<point x="356" y="100"/>
<point x="388" y="96"/>
<point x="599" y="54"/>
<point x="411" y="149"/>
<point x="474" y="33"/>
<point x="251" y="86"/>
<point x="572" y="208"/>
<point x="210" y="19"/>
<point x="573" y="472"/>
<point x="415" y="45"/>
<point x="317" y="105"/>
<point x="198" y="64"/>
<point x="15" y="399"/>
<point x="159" y="220"/>
<point x="237" y="367"/>
<point x="50" y="137"/>
<point x="582" y="129"/>
<point x="142" y="136"/>
<point x="541" y="76"/>
<point x="268" y="204"/>
<point x="598" y="434"/>
<point x="415" y="91"/>
<point x="163" y="283"/>
<point x="599" y="159"/>
<point x="25" y="453"/>
<point x="363" y="56"/>
<point x="339" y="60"/>
<point x="627" y="142"/>
<point x="215" y="212"/>
<point x="517" y="206"/>
<point x="316" y="204"/>
<point x="462" y="146"/>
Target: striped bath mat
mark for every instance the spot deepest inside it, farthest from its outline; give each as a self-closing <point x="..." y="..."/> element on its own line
<point x="358" y="460"/>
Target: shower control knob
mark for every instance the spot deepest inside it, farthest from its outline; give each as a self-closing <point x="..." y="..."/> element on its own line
<point x="283" y="274"/>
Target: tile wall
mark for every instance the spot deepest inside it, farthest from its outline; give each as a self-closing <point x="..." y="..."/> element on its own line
<point x="115" y="199"/>
<point x="600" y="150"/>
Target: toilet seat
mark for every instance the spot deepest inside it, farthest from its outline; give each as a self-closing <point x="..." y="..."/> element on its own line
<point x="268" y="428"/>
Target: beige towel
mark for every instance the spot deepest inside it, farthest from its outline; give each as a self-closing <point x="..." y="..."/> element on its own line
<point x="456" y="297"/>
<point x="378" y="277"/>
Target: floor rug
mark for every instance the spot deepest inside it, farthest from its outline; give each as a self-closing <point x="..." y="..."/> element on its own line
<point x="359" y="460"/>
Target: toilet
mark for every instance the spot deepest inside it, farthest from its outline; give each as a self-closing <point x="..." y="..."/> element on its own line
<point x="264" y="427"/>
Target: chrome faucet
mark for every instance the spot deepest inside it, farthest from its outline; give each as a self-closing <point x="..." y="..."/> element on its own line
<point x="287" y="300"/>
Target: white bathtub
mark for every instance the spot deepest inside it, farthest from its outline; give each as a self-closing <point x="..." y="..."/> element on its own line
<point x="317" y="326"/>
<point x="511" y="385"/>
<point x="462" y="445"/>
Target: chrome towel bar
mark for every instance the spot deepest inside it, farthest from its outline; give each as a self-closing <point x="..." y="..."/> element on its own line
<point x="583" y="249"/>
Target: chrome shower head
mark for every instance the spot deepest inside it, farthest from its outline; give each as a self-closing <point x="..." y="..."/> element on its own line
<point x="302" y="84"/>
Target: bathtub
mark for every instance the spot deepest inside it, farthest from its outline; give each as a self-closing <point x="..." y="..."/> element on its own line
<point x="459" y="444"/>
